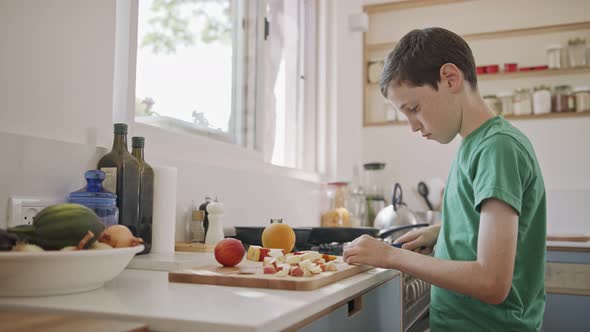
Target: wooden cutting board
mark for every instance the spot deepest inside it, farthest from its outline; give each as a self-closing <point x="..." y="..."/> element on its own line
<point x="34" y="321"/>
<point x="250" y="274"/>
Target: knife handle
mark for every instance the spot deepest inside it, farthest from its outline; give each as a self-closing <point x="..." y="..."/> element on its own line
<point x="399" y="245"/>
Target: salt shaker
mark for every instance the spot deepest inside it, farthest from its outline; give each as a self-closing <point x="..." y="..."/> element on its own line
<point x="215" y="231"/>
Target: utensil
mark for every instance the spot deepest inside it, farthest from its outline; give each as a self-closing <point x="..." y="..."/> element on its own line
<point x="423" y="191"/>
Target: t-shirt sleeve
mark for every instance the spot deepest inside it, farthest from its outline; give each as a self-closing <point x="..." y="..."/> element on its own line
<point x="500" y="170"/>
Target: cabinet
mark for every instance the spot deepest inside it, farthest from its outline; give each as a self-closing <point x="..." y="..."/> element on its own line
<point x="376" y="310"/>
<point x="497" y="32"/>
<point x="567" y="283"/>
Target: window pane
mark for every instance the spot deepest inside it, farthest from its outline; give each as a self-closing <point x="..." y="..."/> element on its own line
<point x="291" y="73"/>
<point x="184" y="65"/>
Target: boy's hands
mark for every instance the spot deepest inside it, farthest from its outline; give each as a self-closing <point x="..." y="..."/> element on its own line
<point x="421" y="237"/>
<point x="369" y="251"/>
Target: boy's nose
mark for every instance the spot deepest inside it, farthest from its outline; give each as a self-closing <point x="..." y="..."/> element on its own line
<point x="414" y="124"/>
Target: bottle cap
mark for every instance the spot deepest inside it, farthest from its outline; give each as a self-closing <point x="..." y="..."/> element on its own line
<point x="137" y="142"/>
<point x="120" y="128"/>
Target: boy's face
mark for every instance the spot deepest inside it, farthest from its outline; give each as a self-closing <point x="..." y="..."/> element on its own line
<point x="435" y="114"/>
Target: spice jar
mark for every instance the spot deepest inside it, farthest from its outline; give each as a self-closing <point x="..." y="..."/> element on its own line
<point x="554" y="52"/>
<point x="336" y="200"/>
<point x="493" y="103"/>
<point x="374" y="70"/>
<point x="582" y="94"/>
<point x="522" y="102"/>
<point x="541" y="99"/>
<point x="576" y="49"/>
<point x="506" y="102"/>
<point x="563" y="99"/>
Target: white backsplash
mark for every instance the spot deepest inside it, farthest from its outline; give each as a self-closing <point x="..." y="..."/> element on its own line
<point x="47" y="168"/>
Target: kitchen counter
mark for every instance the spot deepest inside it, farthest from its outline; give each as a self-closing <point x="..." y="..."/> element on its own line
<point x="568" y="246"/>
<point x="147" y="296"/>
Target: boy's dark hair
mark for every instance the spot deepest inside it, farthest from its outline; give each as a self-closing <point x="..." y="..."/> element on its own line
<point x="418" y="56"/>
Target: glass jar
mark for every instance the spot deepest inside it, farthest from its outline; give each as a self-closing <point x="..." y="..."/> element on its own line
<point x="493" y="103"/>
<point x="506" y="102"/>
<point x="374" y="70"/>
<point x="335" y="203"/>
<point x="374" y="178"/>
<point x="582" y="94"/>
<point x="542" y="99"/>
<point x="554" y="52"/>
<point x="576" y="49"/>
<point x="522" y="102"/>
<point x="96" y="198"/>
<point x="563" y="99"/>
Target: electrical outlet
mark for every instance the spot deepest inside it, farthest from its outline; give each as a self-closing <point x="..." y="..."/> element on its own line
<point x="22" y="210"/>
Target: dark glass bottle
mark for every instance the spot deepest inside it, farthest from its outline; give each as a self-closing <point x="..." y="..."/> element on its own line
<point x="122" y="177"/>
<point x="146" y="193"/>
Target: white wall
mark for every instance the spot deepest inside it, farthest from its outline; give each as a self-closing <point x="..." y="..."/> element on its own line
<point x="56" y="86"/>
<point x="561" y="144"/>
<point x="56" y="60"/>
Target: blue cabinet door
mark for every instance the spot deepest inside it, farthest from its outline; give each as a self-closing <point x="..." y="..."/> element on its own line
<point x="380" y="311"/>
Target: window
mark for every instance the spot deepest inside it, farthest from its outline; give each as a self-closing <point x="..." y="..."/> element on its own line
<point x="235" y="70"/>
<point x="290" y="73"/>
<point x="190" y="65"/>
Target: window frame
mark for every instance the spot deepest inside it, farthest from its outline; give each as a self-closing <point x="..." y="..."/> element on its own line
<point x="251" y="144"/>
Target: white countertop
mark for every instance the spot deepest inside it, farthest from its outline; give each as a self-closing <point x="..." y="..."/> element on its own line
<point x="570" y="244"/>
<point x="147" y="296"/>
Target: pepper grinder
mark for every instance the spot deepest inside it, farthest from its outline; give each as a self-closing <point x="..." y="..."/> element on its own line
<point x="215" y="215"/>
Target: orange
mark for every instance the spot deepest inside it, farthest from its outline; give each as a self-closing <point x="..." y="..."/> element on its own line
<point x="279" y="236"/>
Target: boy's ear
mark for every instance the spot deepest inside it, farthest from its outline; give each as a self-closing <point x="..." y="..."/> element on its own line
<point x="451" y="77"/>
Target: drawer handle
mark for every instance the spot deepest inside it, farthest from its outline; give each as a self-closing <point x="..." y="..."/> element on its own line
<point x="355" y="306"/>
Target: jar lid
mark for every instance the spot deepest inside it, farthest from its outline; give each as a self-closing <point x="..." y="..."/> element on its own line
<point x="576" y="41"/>
<point x="505" y="94"/>
<point x="582" y="88"/>
<point x="541" y="87"/>
<point x="337" y="184"/>
<point x="93" y="192"/>
<point x="563" y="87"/>
<point x="374" y="166"/>
<point x="553" y="47"/>
<point x="523" y="90"/>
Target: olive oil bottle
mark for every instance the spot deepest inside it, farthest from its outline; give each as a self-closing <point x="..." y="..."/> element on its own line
<point x="146" y="193"/>
<point x="122" y="177"/>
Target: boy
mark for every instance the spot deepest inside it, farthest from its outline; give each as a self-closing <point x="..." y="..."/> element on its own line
<point x="488" y="268"/>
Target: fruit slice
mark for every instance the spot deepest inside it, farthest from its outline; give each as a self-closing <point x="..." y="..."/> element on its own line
<point x="258" y="253"/>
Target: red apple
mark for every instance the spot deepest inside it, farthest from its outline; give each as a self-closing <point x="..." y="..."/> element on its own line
<point x="229" y="252"/>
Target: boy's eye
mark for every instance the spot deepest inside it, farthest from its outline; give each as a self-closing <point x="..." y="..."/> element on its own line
<point x="414" y="110"/>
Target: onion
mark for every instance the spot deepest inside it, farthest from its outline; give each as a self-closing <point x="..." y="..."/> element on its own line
<point x="69" y="248"/>
<point x="24" y="247"/>
<point x="99" y="246"/>
<point x="119" y="236"/>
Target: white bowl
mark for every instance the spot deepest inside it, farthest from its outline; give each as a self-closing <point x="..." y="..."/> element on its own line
<point x="60" y="272"/>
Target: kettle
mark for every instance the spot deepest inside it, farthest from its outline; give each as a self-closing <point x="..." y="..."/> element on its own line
<point x="397" y="214"/>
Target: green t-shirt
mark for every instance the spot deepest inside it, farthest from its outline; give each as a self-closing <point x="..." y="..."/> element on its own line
<point x="496" y="160"/>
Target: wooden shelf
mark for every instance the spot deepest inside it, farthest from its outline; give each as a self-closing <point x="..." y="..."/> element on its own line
<point x="508" y="117"/>
<point x="543" y="29"/>
<point x="407" y="4"/>
<point x="521" y="74"/>
<point x="534" y="73"/>
<point x="375" y="47"/>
